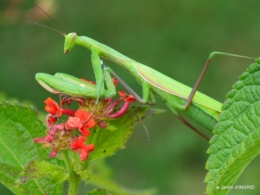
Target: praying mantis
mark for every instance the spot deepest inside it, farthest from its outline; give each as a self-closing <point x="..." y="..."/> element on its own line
<point x="181" y="99"/>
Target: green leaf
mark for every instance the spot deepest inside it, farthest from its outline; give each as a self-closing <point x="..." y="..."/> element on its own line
<point x="237" y="135"/>
<point x="19" y="125"/>
<point x="43" y="169"/>
<point x="108" y="142"/>
<point x="13" y="100"/>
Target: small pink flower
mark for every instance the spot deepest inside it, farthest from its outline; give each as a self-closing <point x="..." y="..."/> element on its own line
<point x="53" y="153"/>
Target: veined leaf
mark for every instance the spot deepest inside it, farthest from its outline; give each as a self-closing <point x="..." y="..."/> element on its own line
<point x="43" y="169"/>
<point x="18" y="126"/>
<point x="108" y="142"/>
<point x="237" y="135"/>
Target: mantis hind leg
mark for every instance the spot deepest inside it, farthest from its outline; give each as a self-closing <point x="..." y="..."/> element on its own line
<point x="192" y="127"/>
<point x="196" y="86"/>
<point x="185" y="122"/>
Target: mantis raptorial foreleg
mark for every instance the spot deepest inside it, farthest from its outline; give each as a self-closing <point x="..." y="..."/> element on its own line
<point x="96" y="64"/>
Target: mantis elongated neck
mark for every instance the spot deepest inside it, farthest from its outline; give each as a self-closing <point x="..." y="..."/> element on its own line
<point x="104" y="51"/>
<point x="81" y="40"/>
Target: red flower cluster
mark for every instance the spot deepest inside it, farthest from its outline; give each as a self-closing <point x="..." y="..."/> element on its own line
<point x="63" y="137"/>
<point x="73" y="134"/>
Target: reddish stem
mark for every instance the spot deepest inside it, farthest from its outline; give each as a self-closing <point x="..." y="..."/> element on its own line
<point x="68" y="111"/>
<point x="122" y="111"/>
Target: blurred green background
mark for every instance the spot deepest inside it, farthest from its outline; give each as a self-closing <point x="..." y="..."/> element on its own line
<point x="174" y="37"/>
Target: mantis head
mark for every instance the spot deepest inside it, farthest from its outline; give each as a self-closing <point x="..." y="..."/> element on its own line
<point x="70" y="40"/>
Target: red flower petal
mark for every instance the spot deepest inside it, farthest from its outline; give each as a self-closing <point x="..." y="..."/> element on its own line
<point x="127" y="98"/>
<point x="83" y="115"/>
<point x="115" y="81"/>
<point x="53" y="153"/>
<point x="83" y="155"/>
<point x="79" y="121"/>
<point x="52" y="107"/>
<point x="81" y="148"/>
<point x="122" y="94"/>
<point x="84" y="131"/>
<point x="79" y="142"/>
<point x="73" y="122"/>
<point x="39" y="140"/>
<point x="51" y="119"/>
<point x="85" y="152"/>
<point x="131" y="98"/>
<point x="90" y="147"/>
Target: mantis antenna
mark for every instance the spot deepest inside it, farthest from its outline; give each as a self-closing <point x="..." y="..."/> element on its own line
<point x="60" y="31"/>
<point x="145" y="128"/>
<point x="47" y="27"/>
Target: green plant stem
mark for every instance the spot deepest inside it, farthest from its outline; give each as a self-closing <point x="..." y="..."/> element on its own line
<point x="74" y="179"/>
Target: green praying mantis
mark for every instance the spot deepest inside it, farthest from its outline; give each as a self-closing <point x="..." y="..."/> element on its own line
<point x="181" y="99"/>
